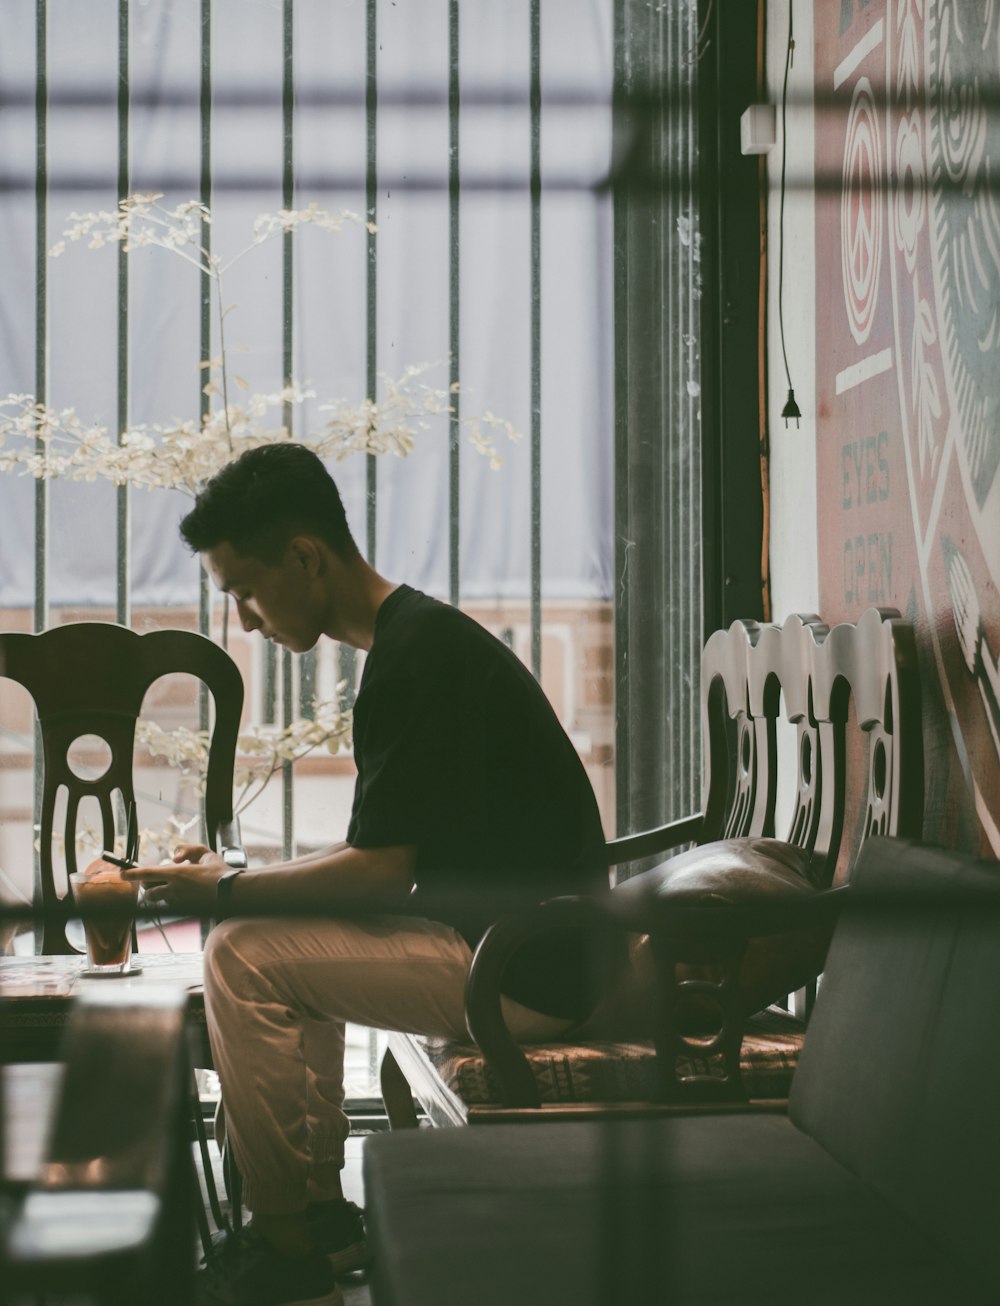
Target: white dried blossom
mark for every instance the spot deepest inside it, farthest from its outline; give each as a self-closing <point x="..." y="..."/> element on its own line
<point x="261" y="750"/>
<point x="286" y="220"/>
<point x="183" y="455"/>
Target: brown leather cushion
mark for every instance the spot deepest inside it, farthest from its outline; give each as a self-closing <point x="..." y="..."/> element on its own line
<point x="737" y="871"/>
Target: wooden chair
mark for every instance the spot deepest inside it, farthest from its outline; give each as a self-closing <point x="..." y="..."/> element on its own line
<point x="90" y="678"/>
<point x="722" y="931"/>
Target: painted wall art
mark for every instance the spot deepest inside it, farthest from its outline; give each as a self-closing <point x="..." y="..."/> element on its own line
<point x="907" y="98"/>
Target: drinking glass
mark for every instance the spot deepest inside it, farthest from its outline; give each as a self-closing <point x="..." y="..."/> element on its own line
<point x="109" y="930"/>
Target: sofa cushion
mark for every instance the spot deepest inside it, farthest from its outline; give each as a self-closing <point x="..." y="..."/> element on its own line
<point x="619" y="1071"/>
<point x="899" y="1077"/>
<point x="686" y="1210"/>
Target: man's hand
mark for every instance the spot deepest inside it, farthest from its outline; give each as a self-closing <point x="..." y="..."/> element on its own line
<point x="186" y="885"/>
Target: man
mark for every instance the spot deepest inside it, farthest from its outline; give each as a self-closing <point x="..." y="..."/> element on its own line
<point x="469" y="796"/>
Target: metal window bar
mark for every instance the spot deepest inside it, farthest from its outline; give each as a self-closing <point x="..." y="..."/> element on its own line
<point x="535" y="96"/>
<point x="287" y="200"/>
<point x="123" y="553"/>
<point x="41" y="506"/>
<point x="205" y="304"/>
<point x="371" y="211"/>
<point x="454" y="301"/>
<point x="41" y="615"/>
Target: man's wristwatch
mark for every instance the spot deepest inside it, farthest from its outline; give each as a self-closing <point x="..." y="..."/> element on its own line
<point x="223" y="890"/>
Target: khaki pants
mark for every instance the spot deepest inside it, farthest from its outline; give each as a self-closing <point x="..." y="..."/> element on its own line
<point x="277" y="996"/>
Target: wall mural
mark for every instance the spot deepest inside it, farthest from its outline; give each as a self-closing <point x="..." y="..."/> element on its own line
<point x="908" y="362"/>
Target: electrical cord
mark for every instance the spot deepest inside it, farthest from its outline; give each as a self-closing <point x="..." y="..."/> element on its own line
<point x="791" y="408"/>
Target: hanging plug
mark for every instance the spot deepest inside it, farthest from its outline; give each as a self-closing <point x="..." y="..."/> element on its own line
<point x="791" y="408"/>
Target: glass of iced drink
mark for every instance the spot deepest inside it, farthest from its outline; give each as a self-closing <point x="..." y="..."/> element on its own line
<point x="101" y="889"/>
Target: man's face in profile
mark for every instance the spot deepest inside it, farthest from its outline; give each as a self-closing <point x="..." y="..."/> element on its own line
<point x="276" y="599"/>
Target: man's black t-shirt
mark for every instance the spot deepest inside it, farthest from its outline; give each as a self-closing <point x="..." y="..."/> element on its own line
<point x="460" y="754"/>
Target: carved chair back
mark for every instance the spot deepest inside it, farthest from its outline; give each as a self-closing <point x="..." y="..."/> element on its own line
<point x="90" y="678"/>
<point x="821" y="679"/>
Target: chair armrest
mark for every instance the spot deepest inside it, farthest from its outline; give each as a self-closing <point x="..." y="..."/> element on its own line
<point x="632" y="847"/>
<point x="701" y="925"/>
<point x="484" y="1015"/>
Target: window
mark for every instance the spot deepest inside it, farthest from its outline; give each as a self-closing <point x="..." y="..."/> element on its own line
<point x="527" y="226"/>
<point x="473" y="144"/>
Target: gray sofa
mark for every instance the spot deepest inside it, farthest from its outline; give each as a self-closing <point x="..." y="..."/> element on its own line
<point x="880" y="1185"/>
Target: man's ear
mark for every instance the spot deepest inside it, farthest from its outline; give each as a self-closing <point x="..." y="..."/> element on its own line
<point x="305" y="553"/>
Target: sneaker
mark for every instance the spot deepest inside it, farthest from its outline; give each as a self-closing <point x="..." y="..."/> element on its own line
<point x="246" y="1271"/>
<point x="338" y="1229"/>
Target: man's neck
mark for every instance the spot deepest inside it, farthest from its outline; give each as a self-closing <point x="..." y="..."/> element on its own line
<point x="358" y="593"/>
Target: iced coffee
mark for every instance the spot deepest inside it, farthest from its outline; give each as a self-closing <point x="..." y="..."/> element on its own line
<point x="107" y="907"/>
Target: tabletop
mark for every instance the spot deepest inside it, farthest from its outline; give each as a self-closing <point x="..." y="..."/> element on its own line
<point x="36" y="995"/>
<point x="62" y="977"/>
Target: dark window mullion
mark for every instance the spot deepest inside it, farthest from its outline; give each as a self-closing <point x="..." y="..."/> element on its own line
<point x="41" y="616"/>
<point x="205" y="303"/>
<point x="41" y="613"/>
<point x="454" y="301"/>
<point x="287" y="270"/>
<point x="371" y="213"/>
<point x="536" y="341"/>
<point x="694" y="616"/>
<point x="667" y="103"/>
<point x="658" y="515"/>
<point x="205" y="306"/>
<point x="123" y="554"/>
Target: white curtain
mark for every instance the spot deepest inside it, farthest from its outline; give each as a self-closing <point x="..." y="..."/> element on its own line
<point x="330" y="270"/>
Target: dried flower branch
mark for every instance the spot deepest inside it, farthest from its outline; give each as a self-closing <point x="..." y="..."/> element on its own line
<point x="46" y="442"/>
<point x="40" y="441"/>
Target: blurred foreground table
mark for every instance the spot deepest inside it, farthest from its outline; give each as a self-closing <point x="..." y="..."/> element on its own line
<point x="37" y="993"/>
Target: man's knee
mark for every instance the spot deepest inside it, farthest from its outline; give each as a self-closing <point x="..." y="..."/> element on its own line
<point x="227" y="952"/>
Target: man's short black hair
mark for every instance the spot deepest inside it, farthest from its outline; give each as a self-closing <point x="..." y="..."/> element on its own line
<point x="263" y="499"/>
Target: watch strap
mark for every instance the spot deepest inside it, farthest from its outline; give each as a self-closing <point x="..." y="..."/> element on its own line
<point x="223" y="893"/>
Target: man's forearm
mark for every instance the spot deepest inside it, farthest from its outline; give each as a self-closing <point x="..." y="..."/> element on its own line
<point x="308" y="858"/>
<point x="338" y="878"/>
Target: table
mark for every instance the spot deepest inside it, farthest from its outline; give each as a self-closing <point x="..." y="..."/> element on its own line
<point x="36" y="995"/>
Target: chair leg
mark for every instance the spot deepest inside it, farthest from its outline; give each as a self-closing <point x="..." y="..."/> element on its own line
<point x="231" y="1177"/>
<point x="234" y="1187"/>
<point x="204" y="1229"/>
<point x="396" y="1094"/>
<point x="211" y="1191"/>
